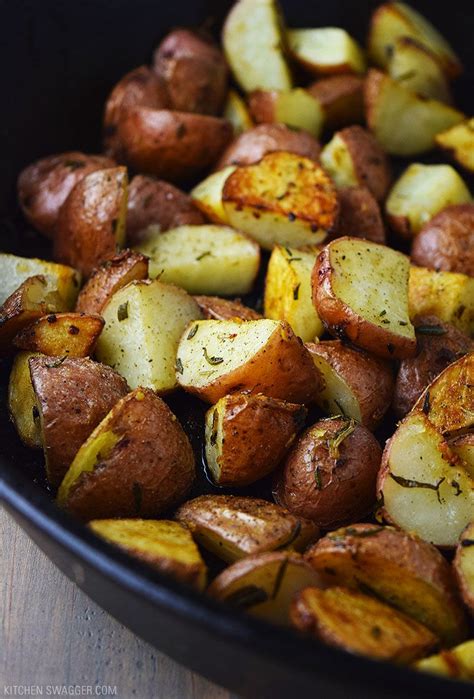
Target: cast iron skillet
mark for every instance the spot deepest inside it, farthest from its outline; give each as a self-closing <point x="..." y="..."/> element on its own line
<point x="59" y="61"/>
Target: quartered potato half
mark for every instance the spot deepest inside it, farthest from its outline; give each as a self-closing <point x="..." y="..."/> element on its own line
<point x="271" y="264"/>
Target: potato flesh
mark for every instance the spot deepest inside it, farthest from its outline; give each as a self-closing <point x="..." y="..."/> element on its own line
<point x="439" y="509"/>
<point x="252" y="41"/>
<point x="207" y="195"/>
<point x="457" y="662"/>
<point x="288" y="291"/>
<point x="424" y="190"/>
<point x="337" y="161"/>
<point x="336" y="397"/>
<point x="299" y="110"/>
<point x="373" y="280"/>
<point x="235" y="111"/>
<point x="22" y="402"/>
<point x="142" y="346"/>
<point x="459" y="142"/>
<point x="203" y="259"/>
<point x="15" y="270"/>
<point x="326" y="50"/>
<point x="417" y="69"/>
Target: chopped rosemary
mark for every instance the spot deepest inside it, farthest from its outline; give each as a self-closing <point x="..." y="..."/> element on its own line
<point x="212" y="360"/>
<point x="122" y="311"/>
<point x="409" y="483"/>
<point x="430" y="330"/>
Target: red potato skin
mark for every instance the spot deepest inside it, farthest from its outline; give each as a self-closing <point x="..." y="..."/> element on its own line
<point x="15" y="316"/>
<point x="446" y="242"/>
<point x="467" y="593"/>
<point x="359" y="215"/>
<point x="261" y="104"/>
<point x="342" y="99"/>
<point x="215" y="308"/>
<point x="371" y="163"/>
<point x="44" y="186"/>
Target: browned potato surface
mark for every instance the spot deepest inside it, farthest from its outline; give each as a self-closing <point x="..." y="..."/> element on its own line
<point x="456" y="662"/>
<point x="215" y="308"/>
<point x="73" y="395"/>
<point x="342" y="100"/>
<point x="138" y="462"/>
<point x="252" y="145"/>
<point x="194" y="70"/>
<point x="44" y="186"/>
<point x="330" y="474"/>
<point x="446" y="242"/>
<point x="439" y="344"/>
<point x="396" y="567"/>
<point x="359" y="215"/>
<point x="464" y="566"/>
<point x="360" y="624"/>
<point x="247" y="436"/>
<point x="61" y="334"/>
<point x="113" y="274"/>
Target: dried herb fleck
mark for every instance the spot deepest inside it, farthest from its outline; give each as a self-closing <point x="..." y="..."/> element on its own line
<point x="203" y="255"/>
<point x="430" y="330"/>
<point x="212" y="360"/>
<point x="426" y="403"/>
<point x="296" y="292"/>
<point x="122" y="311"/>
<point x="192" y="332"/>
<point x="179" y="366"/>
<point x="247" y="597"/>
<point x="409" y="483"/>
<point x="55" y="363"/>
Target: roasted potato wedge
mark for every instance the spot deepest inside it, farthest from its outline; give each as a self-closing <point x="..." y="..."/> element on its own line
<point x="360" y="291"/>
<point x="425" y="486"/>
<point x="403" y="122"/>
<point x="15" y="270"/>
<point x="194" y="71"/>
<point x="458" y="142"/>
<point x="205" y="259"/>
<point x="44" y="186"/>
<point x="288" y="291"/>
<point x="159" y="203"/>
<point x="415" y="67"/>
<point x="215" y="308"/>
<point x="326" y="50"/>
<point x="217" y="357"/>
<point x="329" y="475"/>
<point x="341" y="98"/>
<point x="234" y="527"/>
<point x="235" y="111"/>
<point x="354" y="158"/>
<point x="356" y="384"/>
<point x="264" y="584"/>
<point x="251" y="146"/>
<point x="138" y="462"/>
<point x="360" y="624"/>
<point x="162" y="544"/>
<point x="254" y="41"/>
<point x="61" y="334"/>
<point x="284" y="199"/>
<point x="22" y="402"/>
<point x="143" y="324"/>
<point x="72" y="396"/>
<point x="446" y="242"/>
<point x="248" y="436"/>
<point x="91" y="223"/>
<point x="359" y="215"/>
<point x="420" y="193"/>
<point x="448" y="295"/>
<point x="457" y="662"/>
<point x="464" y="566"/>
<point x="396" y="567"/>
<point x="439" y="344"/>
<point x="207" y="195"/>
<point x="113" y="274"/>
<point x="295" y="108"/>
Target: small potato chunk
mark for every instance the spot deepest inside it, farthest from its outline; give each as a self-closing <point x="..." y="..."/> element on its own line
<point x="253" y="41"/>
<point x="22" y="402"/>
<point x="448" y="401"/>
<point x="296" y="108"/>
<point x="264" y="584"/>
<point x="217" y="357"/>
<point x="394" y="19"/>
<point x="415" y="67"/>
<point x="61" y="334"/>
<point x="341" y="99"/>
<point x="404" y="123"/>
<point x="44" y="186"/>
<point x="267" y="428"/>
<point x="235" y="111"/>
<point x="396" y="567"/>
<point x="330" y="473"/>
<point x="360" y="291"/>
<point x="360" y="624"/>
<point x="15" y="270"/>
<point x="457" y="662"/>
<point x="284" y="199"/>
<point x="359" y="215"/>
<point x="464" y="566"/>
<point x="207" y="195"/>
<point x="234" y="527"/>
<point x="113" y="274"/>
<point x="458" y="142"/>
<point x="353" y="157"/>
<point x="165" y="545"/>
<point x="425" y="487"/>
<point x="215" y="308"/>
<point x="326" y="50"/>
<point x="251" y="146"/>
<point x="204" y="259"/>
<point x="446" y="242"/>
<point x="72" y="396"/>
<point x="194" y="71"/>
<point x="448" y="295"/>
<point x="420" y="193"/>
<point x="91" y="223"/>
<point x="159" y="203"/>
<point x="143" y="324"/>
<point x="138" y="462"/>
<point x="356" y="384"/>
<point x="288" y="291"/>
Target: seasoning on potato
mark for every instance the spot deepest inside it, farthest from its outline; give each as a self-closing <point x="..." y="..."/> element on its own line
<point x="61" y="334"/>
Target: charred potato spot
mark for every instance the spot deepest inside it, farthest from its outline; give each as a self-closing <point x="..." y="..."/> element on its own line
<point x="61" y="334"/>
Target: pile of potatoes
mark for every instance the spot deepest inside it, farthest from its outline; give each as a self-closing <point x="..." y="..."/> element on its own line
<point x="143" y="298"/>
